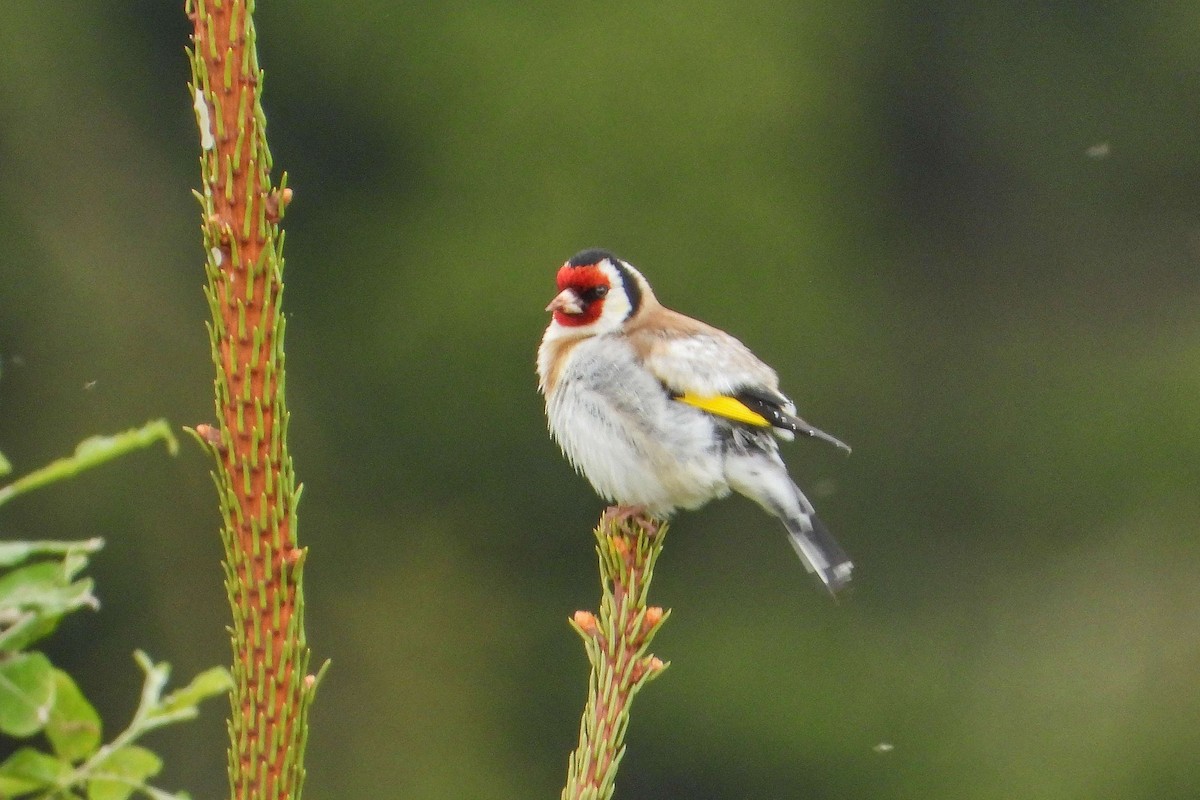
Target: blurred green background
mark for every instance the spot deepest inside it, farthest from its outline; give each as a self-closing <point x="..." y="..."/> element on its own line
<point x="966" y="234"/>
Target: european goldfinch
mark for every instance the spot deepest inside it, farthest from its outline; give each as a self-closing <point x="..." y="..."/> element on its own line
<point x="660" y="411"/>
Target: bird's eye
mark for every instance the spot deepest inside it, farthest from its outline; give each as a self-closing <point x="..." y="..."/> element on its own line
<point x="596" y="292"/>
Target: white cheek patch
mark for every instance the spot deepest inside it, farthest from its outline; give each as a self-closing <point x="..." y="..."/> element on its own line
<point x="616" y="303"/>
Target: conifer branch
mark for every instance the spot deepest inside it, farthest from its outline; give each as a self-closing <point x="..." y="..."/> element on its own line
<point x="255" y="482"/>
<point x="617" y="640"/>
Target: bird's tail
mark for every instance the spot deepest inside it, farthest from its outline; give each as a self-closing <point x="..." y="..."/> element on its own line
<point x="763" y="478"/>
<point x="819" y="551"/>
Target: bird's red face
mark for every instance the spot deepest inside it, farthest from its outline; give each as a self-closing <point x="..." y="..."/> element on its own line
<point x="581" y="293"/>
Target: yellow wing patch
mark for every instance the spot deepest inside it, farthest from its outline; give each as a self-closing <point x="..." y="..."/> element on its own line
<point x="725" y="406"/>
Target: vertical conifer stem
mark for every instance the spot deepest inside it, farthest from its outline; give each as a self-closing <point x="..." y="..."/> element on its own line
<point x="617" y="641"/>
<point x="255" y="482"/>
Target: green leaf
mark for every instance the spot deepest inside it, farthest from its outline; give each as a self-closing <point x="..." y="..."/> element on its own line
<point x="45" y="586"/>
<point x="210" y="683"/>
<point x="5" y="465"/>
<point x="35" y="596"/>
<point x="29" y="770"/>
<point x="13" y="553"/>
<point x="123" y="772"/>
<point x="155" y="680"/>
<point x="73" y="563"/>
<point x="92" y="452"/>
<point x="26" y="694"/>
<point x="26" y="629"/>
<point x="158" y="794"/>
<point x="74" y="725"/>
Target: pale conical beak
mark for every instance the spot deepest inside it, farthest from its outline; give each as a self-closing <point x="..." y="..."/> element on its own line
<point x="567" y="302"/>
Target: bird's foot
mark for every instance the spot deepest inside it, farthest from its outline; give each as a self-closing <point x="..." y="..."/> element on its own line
<point x="625" y="515"/>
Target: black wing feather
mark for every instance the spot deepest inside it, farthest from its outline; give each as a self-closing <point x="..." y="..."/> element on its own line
<point x="770" y="406"/>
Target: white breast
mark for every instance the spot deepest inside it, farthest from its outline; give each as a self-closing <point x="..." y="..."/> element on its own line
<point x="617" y="426"/>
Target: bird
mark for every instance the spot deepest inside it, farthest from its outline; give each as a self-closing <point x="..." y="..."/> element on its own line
<point x="661" y="412"/>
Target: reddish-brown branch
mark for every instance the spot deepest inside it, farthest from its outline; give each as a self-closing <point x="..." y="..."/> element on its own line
<point x="241" y="211"/>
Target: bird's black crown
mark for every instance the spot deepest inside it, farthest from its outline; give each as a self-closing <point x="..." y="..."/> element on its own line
<point x="585" y="258"/>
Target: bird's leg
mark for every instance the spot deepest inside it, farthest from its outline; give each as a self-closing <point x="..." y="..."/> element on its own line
<point x="623" y="515"/>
